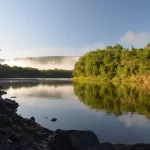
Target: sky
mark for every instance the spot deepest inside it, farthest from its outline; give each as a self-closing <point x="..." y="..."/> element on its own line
<point x="31" y="28"/>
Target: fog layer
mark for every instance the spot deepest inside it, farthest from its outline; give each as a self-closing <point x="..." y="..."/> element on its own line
<point x="51" y="62"/>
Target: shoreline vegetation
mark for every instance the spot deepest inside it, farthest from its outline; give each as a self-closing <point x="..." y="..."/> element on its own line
<point x="28" y="72"/>
<point x="18" y="133"/>
<point x="132" y="79"/>
<point x="114" y="64"/>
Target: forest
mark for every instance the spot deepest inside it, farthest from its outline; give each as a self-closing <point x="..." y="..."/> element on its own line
<point x="19" y="72"/>
<point x="114" y="63"/>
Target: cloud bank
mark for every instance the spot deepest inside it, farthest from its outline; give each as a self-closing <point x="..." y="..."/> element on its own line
<point x="137" y="39"/>
<point x="66" y="63"/>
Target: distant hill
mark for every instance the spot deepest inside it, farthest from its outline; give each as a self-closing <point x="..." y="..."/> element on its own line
<point x="45" y="62"/>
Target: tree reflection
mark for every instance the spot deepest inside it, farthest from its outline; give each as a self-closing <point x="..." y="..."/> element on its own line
<point x="114" y="98"/>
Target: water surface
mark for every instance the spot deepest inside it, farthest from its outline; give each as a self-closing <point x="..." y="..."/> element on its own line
<point x="116" y="113"/>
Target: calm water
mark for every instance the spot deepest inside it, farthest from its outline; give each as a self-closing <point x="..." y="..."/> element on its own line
<point x="116" y="113"/>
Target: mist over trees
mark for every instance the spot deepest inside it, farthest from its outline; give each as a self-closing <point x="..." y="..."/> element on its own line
<point x="114" y="63"/>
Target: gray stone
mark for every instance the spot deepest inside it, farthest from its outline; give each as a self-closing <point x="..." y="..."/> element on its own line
<point x="84" y="140"/>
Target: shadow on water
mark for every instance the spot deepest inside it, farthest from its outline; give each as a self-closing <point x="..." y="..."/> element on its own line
<point x="116" y="99"/>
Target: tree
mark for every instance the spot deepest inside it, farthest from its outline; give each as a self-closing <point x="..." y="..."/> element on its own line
<point x="114" y="62"/>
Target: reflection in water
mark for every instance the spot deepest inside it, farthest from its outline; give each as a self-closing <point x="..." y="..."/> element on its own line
<point x="43" y="90"/>
<point x="116" y="99"/>
<point x="116" y="113"/>
<point x="134" y="121"/>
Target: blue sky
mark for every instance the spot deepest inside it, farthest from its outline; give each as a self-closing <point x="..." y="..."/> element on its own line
<point x="71" y="27"/>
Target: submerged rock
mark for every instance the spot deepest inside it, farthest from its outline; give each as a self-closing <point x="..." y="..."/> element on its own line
<point x="54" y="119"/>
<point x="13" y="97"/>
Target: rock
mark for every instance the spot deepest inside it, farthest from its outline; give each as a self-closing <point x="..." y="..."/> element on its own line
<point x="9" y="112"/>
<point x="18" y="119"/>
<point x="11" y="104"/>
<point x="3" y="92"/>
<point x="31" y="129"/>
<point x="41" y="129"/>
<point x="3" y="133"/>
<point x="32" y="118"/>
<point x="107" y="146"/>
<point x="5" y="120"/>
<point x="60" y="142"/>
<point x="13" y="97"/>
<point x="140" y="146"/>
<point x="84" y="140"/>
<point x="54" y="119"/>
<point x="3" y="106"/>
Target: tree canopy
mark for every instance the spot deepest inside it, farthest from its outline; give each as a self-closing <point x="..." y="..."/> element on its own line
<point x="114" y="62"/>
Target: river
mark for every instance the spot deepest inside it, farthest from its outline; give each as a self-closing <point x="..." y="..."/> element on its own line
<point x="117" y="113"/>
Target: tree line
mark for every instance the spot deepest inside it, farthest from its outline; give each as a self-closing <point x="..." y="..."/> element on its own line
<point x="19" y="72"/>
<point x="114" y="63"/>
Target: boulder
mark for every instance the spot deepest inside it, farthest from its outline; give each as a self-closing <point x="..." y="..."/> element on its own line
<point x="106" y="146"/>
<point x="60" y="142"/>
<point x="32" y="118"/>
<point x="84" y="140"/>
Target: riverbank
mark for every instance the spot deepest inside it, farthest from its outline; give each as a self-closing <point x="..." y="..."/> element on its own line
<point x="18" y="133"/>
<point x="133" y="79"/>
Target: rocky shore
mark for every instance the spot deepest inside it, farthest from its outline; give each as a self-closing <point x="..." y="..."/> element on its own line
<point x="18" y="133"/>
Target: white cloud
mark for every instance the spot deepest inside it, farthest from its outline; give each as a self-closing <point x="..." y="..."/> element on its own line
<point x="64" y="91"/>
<point x="138" y="39"/>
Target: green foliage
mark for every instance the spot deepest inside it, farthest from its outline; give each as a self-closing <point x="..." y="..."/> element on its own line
<point x="19" y="72"/>
<point x="114" y="62"/>
<point x="114" y="98"/>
